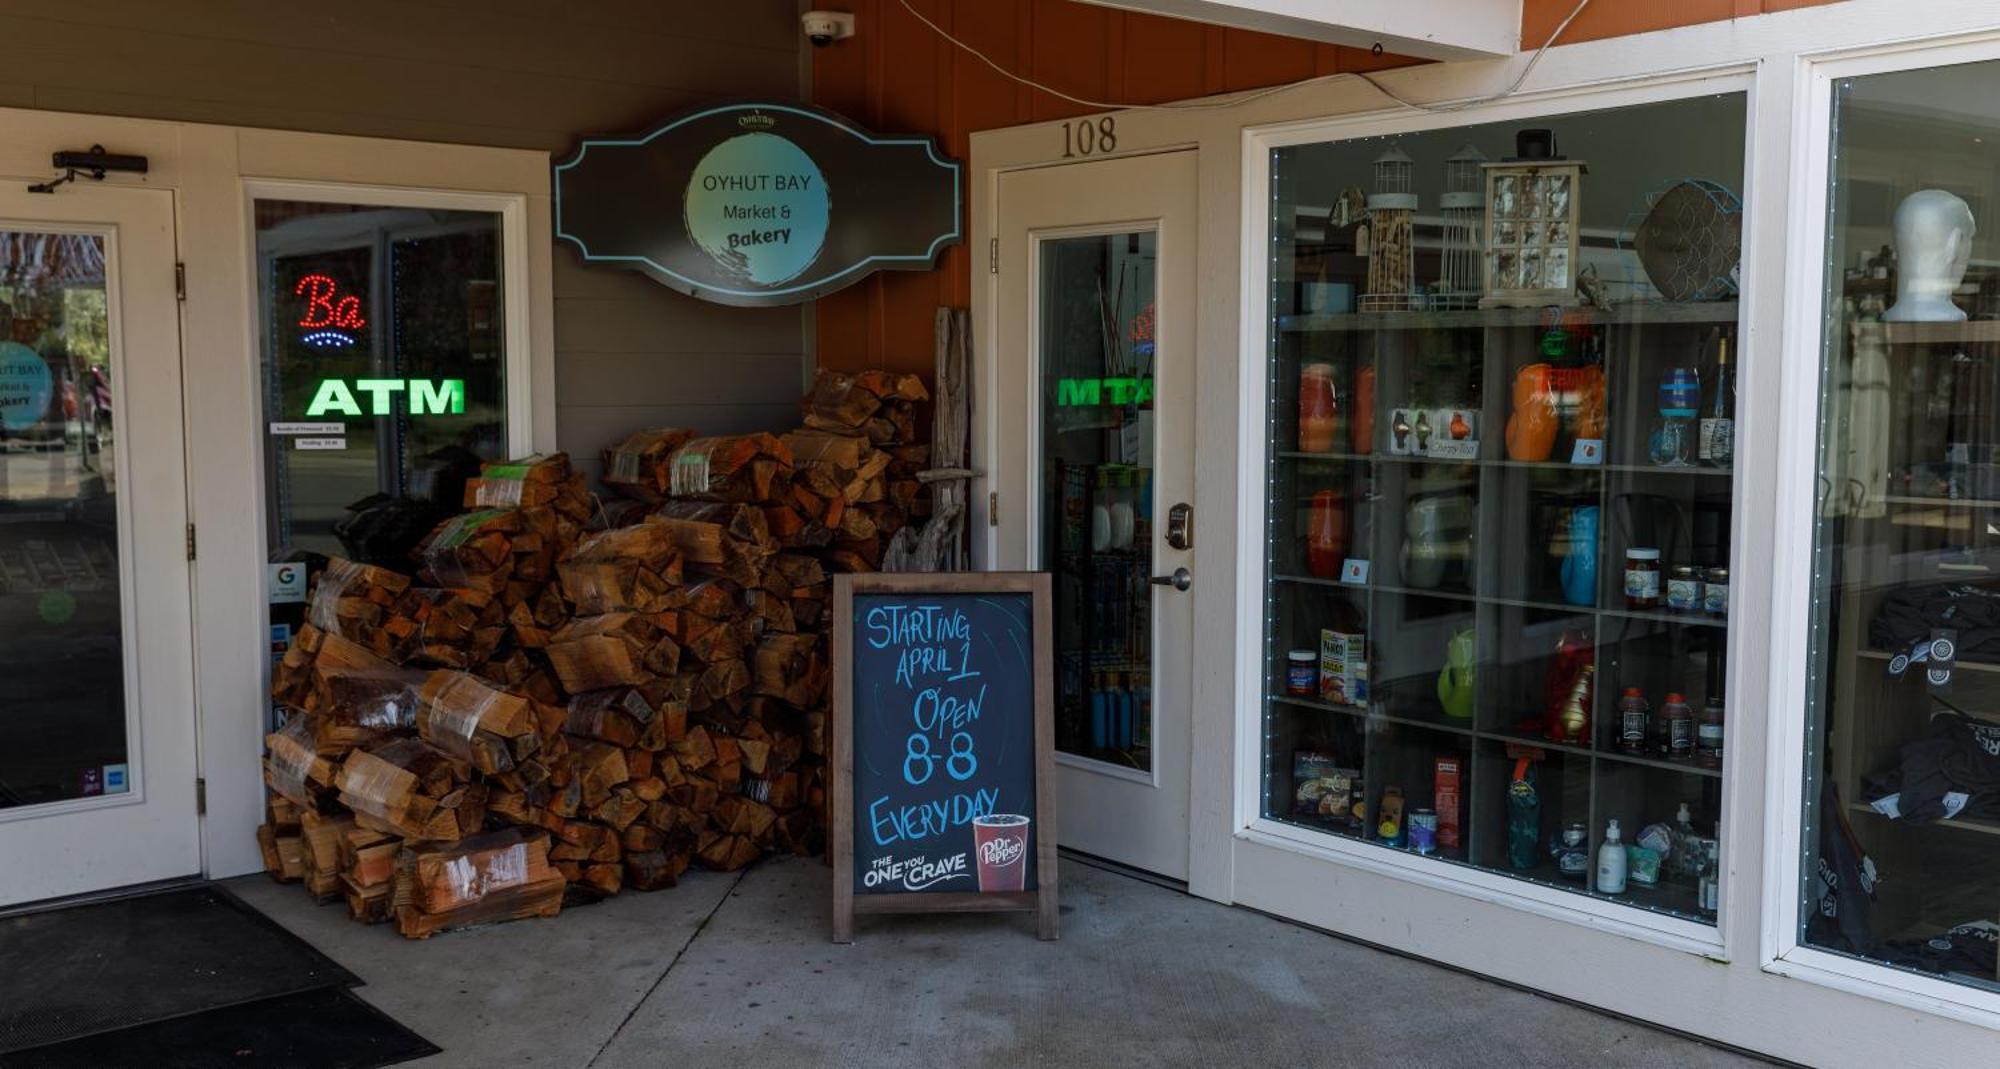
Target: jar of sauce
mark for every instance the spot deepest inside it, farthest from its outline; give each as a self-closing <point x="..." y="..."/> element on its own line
<point x="1715" y="592"/>
<point x="1642" y="578"/>
<point x="1326" y="534"/>
<point x="1684" y="583"/>
<point x="1318" y="411"/>
<point x="1302" y="673"/>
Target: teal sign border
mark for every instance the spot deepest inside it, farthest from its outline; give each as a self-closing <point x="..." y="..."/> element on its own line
<point x="856" y="157"/>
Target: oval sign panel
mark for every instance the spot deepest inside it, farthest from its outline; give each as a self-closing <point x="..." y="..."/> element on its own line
<point x="759" y="204"/>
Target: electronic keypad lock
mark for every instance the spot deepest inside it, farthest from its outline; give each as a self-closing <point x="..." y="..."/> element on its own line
<point x="1180" y="526"/>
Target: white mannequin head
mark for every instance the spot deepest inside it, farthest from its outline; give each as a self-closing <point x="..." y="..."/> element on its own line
<point x="1933" y="233"/>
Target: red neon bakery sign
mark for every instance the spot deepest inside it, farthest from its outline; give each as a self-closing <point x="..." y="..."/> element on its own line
<point x="328" y="315"/>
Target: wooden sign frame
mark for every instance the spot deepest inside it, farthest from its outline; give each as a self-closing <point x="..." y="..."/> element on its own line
<point x="1041" y="900"/>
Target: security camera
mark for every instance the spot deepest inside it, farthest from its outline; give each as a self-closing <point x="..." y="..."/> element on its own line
<point x="823" y="28"/>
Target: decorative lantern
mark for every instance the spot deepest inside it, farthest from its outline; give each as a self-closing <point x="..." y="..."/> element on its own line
<point x="1459" y="281"/>
<point x="1392" y="262"/>
<point x="1533" y="208"/>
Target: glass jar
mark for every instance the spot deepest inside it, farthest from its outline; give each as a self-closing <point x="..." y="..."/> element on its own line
<point x="1319" y="413"/>
<point x="1715" y="592"/>
<point x="1326" y="535"/>
<point x="1684" y="588"/>
<point x="1642" y="579"/>
<point x="1302" y="674"/>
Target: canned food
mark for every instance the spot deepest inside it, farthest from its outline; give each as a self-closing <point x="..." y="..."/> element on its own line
<point x="1424" y="831"/>
<point x="1684" y="589"/>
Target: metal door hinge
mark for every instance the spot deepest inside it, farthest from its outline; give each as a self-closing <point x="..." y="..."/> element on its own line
<point x="993" y="256"/>
<point x="180" y="281"/>
<point x="190" y="533"/>
<point x="200" y="797"/>
<point x="993" y="509"/>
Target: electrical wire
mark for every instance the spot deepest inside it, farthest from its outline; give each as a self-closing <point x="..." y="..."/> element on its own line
<point x="1245" y="98"/>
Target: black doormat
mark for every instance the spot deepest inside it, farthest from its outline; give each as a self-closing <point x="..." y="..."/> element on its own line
<point x="104" y="966"/>
<point x="324" y="1029"/>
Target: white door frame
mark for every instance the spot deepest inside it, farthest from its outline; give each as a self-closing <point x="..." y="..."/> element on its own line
<point x="150" y="832"/>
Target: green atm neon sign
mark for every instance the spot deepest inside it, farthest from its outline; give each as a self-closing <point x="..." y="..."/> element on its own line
<point x="1111" y="390"/>
<point x="427" y="397"/>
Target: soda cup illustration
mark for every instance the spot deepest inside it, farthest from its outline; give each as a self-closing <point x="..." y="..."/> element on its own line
<point x="1001" y="843"/>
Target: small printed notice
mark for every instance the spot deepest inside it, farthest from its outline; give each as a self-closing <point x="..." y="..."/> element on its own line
<point x="288" y="583"/>
<point x="1587" y="451"/>
<point x="319" y="429"/>
<point x="1354" y="572"/>
<point x="319" y="443"/>
<point x="1455" y="448"/>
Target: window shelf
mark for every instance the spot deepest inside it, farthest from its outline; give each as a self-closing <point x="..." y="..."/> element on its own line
<point x="1629" y="313"/>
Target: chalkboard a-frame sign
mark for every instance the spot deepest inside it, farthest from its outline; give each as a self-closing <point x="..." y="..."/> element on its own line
<point x="943" y="794"/>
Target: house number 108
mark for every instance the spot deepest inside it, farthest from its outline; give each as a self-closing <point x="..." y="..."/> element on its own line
<point x="1088" y="137"/>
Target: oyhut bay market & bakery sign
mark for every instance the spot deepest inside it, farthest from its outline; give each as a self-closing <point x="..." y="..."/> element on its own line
<point x="759" y="203"/>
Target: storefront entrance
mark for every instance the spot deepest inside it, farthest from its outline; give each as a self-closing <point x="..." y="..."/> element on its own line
<point x="97" y="724"/>
<point x="1095" y="269"/>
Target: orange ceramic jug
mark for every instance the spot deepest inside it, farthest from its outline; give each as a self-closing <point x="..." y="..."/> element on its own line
<point x="1361" y="421"/>
<point x="1531" y="428"/>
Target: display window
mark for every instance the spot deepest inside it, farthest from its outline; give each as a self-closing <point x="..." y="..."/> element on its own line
<point x="1902" y="816"/>
<point x="1500" y="472"/>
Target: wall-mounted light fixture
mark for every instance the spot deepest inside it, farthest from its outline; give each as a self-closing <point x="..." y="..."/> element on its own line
<point x="94" y="165"/>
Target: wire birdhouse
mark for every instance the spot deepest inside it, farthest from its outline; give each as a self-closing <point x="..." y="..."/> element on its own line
<point x="1459" y="279"/>
<point x="1392" y="261"/>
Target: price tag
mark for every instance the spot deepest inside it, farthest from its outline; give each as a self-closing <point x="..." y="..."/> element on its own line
<point x="1587" y="451"/>
<point x="319" y="443"/>
<point x="1354" y="572"/>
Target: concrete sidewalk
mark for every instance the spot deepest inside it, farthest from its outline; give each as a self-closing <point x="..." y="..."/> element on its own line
<point x="729" y="971"/>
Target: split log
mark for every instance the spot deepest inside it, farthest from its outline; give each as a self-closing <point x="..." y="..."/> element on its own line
<point x="612" y="650"/>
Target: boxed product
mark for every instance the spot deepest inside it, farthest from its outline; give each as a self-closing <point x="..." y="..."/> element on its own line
<point x="1454" y="434"/>
<point x="1313" y="778"/>
<point x="1390" y="826"/>
<point x="1447" y="787"/>
<point x="1343" y="668"/>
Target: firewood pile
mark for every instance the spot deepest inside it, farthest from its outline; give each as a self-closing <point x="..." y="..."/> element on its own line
<point x="569" y="695"/>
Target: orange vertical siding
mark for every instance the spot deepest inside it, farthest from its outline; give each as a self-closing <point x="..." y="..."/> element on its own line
<point x="896" y="76"/>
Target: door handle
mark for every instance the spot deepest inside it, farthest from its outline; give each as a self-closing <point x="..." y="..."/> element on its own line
<point x="1180" y="580"/>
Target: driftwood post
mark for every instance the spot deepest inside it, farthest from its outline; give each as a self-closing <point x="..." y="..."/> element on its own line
<point x="941" y="546"/>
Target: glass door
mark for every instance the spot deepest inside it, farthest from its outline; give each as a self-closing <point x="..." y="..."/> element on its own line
<point x="97" y="739"/>
<point x="1096" y="290"/>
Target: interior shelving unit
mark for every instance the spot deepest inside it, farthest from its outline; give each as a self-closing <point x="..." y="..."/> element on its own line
<point x="1921" y="533"/>
<point x="1506" y="591"/>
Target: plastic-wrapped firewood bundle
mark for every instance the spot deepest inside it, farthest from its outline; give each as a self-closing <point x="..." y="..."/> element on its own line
<point x="473" y="721"/>
<point x="450" y="627"/>
<point x="614" y="649"/>
<point x="353" y="600"/>
<point x="412" y="789"/>
<point x="640" y="467"/>
<point x="355" y="695"/>
<point x="731" y="540"/>
<point x="735" y="467"/>
<point x="535" y="482"/>
<point x="629" y="569"/>
<point x="497" y="876"/>
<point x="878" y="404"/>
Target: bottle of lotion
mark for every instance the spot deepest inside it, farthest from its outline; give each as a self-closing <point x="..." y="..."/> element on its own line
<point x="1611" y="862"/>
